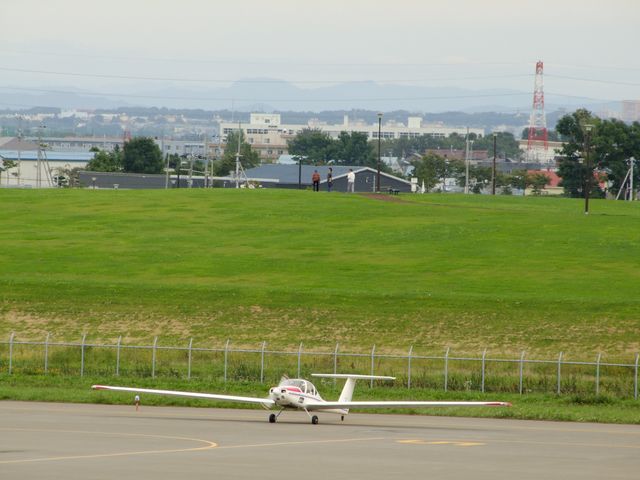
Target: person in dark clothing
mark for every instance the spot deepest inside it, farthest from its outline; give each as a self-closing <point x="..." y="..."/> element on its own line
<point x="330" y="179"/>
<point x="315" y="178"/>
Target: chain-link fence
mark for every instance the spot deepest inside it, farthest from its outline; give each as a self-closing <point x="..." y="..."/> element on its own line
<point x="446" y="371"/>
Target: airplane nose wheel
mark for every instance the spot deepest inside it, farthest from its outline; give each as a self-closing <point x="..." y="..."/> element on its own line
<point x="272" y="418"/>
<point x="314" y="419"/>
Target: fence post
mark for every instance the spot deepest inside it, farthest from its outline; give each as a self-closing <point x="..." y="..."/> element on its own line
<point x="635" y="381"/>
<point x="598" y="374"/>
<point x="46" y="354"/>
<point x="335" y="361"/>
<point x="446" y="369"/>
<point x="559" y="376"/>
<point x="226" y="354"/>
<point x="84" y="337"/>
<point x="189" y="365"/>
<point x="118" y="356"/>
<point x="373" y="352"/>
<point x="521" y="369"/>
<point x="264" y="344"/>
<point x="409" y="367"/>
<point x="484" y="356"/>
<point x="13" y="335"/>
<point x="153" y="357"/>
<point x="299" y="358"/>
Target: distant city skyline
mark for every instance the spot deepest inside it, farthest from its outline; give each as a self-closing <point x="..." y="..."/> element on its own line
<point x="133" y="48"/>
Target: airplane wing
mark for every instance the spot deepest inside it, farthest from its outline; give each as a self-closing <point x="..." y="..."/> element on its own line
<point x="210" y="396"/>
<point x="400" y="404"/>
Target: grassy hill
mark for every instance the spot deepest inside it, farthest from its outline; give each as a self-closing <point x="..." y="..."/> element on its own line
<point x="467" y="272"/>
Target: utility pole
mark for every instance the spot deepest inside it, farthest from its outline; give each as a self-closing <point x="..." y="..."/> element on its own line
<point x="379" y="139"/>
<point x="166" y="171"/>
<point x="587" y="186"/>
<point x="631" y="161"/>
<point x="238" y="156"/>
<point x="466" y="164"/>
<point x="493" y="168"/>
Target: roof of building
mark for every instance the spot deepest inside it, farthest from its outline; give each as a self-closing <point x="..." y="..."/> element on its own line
<point x="289" y="173"/>
<point x="32" y="155"/>
<point x="15" y="143"/>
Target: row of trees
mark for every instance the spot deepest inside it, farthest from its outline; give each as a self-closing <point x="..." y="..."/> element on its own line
<point x="142" y="155"/>
<point x="506" y="144"/>
<point x="433" y="169"/>
<point x="320" y="148"/>
<point x="139" y="155"/>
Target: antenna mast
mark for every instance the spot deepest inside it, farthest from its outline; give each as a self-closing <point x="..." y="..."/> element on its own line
<point x="538" y="120"/>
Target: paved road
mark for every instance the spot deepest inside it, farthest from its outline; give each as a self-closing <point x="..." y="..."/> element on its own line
<point x="39" y="440"/>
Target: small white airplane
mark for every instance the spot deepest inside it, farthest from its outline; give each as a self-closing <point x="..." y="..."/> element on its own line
<point x="300" y="394"/>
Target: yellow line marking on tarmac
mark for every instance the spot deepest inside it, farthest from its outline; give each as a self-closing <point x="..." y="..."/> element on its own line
<point x="209" y="445"/>
<point x="465" y="443"/>
<point x="570" y="444"/>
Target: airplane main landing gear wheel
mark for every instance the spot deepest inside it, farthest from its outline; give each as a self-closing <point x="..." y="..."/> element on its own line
<point x="314" y="419"/>
<point x="272" y="418"/>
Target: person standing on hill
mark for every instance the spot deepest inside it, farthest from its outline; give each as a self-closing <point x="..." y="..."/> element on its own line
<point x="351" y="181"/>
<point x="315" y="179"/>
<point x="329" y="179"/>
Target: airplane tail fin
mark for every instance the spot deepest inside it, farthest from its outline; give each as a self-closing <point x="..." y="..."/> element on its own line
<point x="347" y="391"/>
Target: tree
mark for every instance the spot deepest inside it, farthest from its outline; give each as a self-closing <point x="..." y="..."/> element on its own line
<point x="614" y="143"/>
<point x="611" y="144"/>
<point x="430" y="169"/>
<point x="313" y="144"/>
<point x="248" y="157"/>
<point x="142" y="155"/>
<point x="6" y="166"/>
<point x="571" y="169"/>
<point x="106" y="161"/>
<point x="537" y="181"/>
<point x="479" y="177"/>
<point x="354" y="149"/>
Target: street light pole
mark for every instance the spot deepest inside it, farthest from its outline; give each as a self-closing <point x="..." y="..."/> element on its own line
<point x="587" y="183"/>
<point x="493" y="168"/>
<point x="379" y="135"/>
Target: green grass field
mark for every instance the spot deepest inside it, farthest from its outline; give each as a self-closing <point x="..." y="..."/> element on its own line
<point x="468" y="272"/>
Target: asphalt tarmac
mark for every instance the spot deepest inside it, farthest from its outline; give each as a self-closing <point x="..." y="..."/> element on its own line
<point x="67" y="441"/>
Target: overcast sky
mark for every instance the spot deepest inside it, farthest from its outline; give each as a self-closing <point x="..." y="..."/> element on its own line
<point x="590" y="48"/>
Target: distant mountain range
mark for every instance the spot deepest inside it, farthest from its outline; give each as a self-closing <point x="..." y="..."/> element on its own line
<point x="276" y="95"/>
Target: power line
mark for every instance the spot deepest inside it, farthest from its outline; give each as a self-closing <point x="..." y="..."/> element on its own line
<point x="260" y="62"/>
<point x="594" y="80"/>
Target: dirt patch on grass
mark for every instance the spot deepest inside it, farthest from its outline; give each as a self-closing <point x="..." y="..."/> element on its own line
<point x="384" y="197"/>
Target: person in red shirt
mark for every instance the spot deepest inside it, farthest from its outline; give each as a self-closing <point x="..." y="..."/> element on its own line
<point x="315" y="178"/>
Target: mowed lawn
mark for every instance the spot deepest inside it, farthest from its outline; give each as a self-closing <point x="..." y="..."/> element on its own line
<point x="468" y="272"/>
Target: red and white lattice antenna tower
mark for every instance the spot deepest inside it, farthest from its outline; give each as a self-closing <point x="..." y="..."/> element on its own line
<point x="538" y="120"/>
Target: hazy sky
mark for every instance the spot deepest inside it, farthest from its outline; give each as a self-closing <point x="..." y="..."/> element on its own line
<point x="590" y="48"/>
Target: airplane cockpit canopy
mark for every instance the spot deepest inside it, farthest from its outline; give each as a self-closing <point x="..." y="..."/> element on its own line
<point x="304" y="385"/>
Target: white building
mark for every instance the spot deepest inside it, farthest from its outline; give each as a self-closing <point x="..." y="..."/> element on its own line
<point x="538" y="154"/>
<point x="268" y="135"/>
<point x="40" y="171"/>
